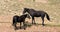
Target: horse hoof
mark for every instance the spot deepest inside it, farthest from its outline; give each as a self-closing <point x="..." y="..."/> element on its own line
<point x="20" y="27"/>
<point x="24" y="28"/>
<point x="12" y="24"/>
<point x="15" y="28"/>
<point x="34" y="23"/>
<point x="43" y="25"/>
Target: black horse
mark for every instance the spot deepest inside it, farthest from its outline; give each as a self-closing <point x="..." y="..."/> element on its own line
<point x="19" y="19"/>
<point x="35" y="13"/>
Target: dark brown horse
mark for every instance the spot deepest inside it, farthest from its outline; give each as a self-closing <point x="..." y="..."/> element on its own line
<point x="33" y="13"/>
<point x="19" y="19"/>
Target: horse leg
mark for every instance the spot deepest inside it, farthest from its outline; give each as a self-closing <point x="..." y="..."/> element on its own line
<point x="15" y="26"/>
<point x="20" y="25"/>
<point x="24" y="25"/>
<point x="33" y="20"/>
<point x="42" y="21"/>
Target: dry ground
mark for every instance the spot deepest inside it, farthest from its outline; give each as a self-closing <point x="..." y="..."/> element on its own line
<point x="8" y="8"/>
<point x="6" y="26"/>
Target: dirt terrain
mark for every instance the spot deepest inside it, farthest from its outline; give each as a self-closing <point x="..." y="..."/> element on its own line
<point x="9" y="8"/>
<point x="6" y="26"/>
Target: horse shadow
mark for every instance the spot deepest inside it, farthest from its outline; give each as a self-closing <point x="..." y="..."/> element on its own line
<point x="28" y="24"/>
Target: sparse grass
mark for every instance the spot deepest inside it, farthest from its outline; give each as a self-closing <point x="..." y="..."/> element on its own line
<point x="9" y="8"/>
<point x="54" y="1"/>
<point x="39" y="24"/>
<point x="15" y="6"/>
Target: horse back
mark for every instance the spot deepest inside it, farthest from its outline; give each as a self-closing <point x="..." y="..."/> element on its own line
<point x="37" y="13"/>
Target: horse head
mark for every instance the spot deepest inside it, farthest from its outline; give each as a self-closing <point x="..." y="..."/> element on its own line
<point x="27" y="15"/>
<point x="25" y="10"/>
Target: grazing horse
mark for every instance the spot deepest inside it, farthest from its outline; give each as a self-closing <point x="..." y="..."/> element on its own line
<point x="33" y="13"/>
<point x="19" y="19"/>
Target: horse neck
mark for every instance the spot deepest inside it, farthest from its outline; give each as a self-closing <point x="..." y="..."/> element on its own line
<point x="28" y="11"/>
<point x="24" y="16"/>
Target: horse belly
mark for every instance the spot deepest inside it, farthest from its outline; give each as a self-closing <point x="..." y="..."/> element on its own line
<point x="37" y="15"/>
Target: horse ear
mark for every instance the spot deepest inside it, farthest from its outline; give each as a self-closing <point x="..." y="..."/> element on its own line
<point x="24" y="10"/>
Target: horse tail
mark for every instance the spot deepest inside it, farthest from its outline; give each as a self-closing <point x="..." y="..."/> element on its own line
<point x="47" y="16"/>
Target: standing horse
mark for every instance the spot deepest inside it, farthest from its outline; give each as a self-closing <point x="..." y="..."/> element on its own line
<point x="35" y="13"/>
<point x="19" y="19"/>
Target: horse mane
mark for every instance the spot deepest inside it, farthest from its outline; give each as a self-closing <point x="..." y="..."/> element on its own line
<point x="32" y="10"/>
